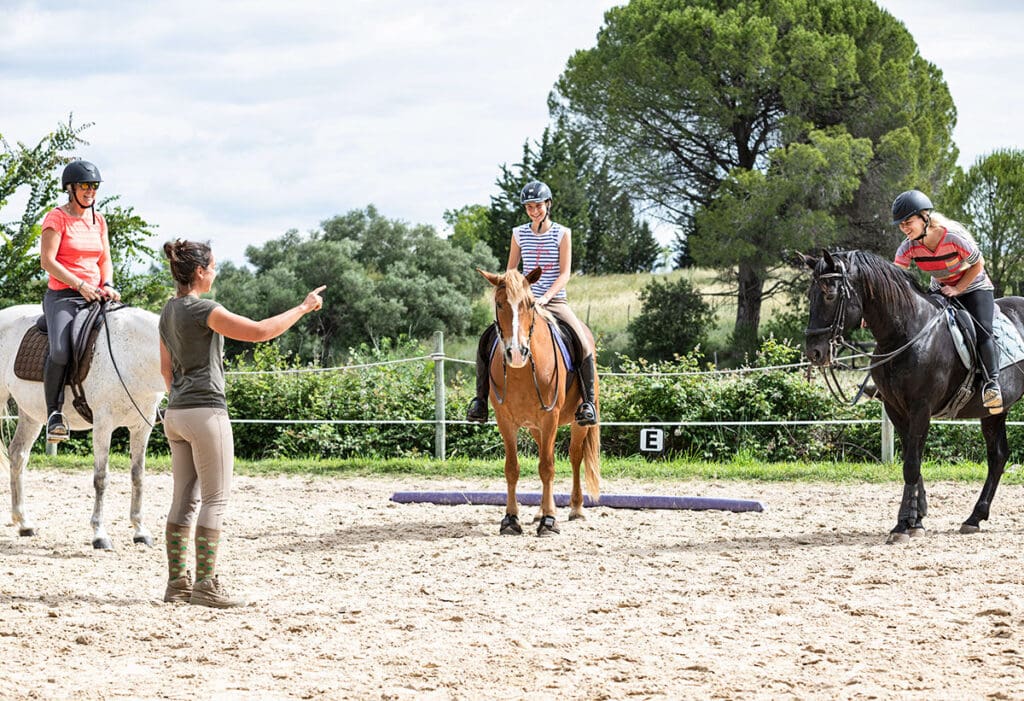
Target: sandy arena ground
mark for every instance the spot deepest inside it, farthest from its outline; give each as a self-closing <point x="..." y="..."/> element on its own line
<point x="358" y="597"/>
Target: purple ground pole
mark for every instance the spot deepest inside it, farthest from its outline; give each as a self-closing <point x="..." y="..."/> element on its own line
<point x="614" y="501"/>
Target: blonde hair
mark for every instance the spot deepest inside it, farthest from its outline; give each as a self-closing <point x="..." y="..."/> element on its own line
<point x="942" y="221"/>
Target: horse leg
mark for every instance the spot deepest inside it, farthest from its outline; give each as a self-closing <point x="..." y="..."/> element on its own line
<point x="21" y="445"/>
<point x="997" y="450"/>
<point x="510" y="523"/>
<point x="139" y="439"/>
<point x="578" y="435"/>
<point x="101" y="454"/>
<point x="535" y="432"/>
<point x="546" y="469"/>
<point x="913" y="431"/>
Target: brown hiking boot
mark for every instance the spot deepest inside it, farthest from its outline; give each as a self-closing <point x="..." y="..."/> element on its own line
<point x="179" y="589"/>
<point x="210" y="592"/>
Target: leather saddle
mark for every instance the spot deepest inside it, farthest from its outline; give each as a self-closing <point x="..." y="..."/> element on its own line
<point x="35" y="347"/>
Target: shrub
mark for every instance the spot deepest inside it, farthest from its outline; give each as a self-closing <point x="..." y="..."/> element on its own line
<point x="673" y="319"/>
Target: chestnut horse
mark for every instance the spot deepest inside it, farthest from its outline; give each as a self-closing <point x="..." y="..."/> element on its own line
<point x="530" y="386"/>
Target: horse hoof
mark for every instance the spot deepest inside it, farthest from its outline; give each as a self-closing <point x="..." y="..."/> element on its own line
<point x="917" y="532"/>
<point x="547" y="526"/>
<point x="576" y="517"/>
<point x="510" y="525"/>
<point x="968" y="528"/>
<point x="26" y="532"/>
<point x="897" y="538"/>
<point x="144" y="539"/>
<point x="102" y="544"/>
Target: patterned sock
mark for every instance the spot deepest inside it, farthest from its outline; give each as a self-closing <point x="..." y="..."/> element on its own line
<point x="177" y="537"/>
<point x="207" y="541"/>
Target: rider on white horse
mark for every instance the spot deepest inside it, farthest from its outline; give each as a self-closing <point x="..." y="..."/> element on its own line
<point x="75" y="251"/>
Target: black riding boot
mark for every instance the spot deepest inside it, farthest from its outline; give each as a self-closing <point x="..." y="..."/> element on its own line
<point x="991" y="395"/>
<point x="54" y="377"/>
<point x="586" y="414"/>
<point x="477" y="411"/>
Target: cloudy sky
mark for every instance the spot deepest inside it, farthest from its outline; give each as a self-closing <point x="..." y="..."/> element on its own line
<point x="236" y="121"/>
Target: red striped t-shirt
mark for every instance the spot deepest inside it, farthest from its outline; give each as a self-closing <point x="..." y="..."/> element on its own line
<point x="957" y="251"/>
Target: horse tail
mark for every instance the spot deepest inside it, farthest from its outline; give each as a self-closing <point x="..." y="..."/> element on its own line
<point x="592" y="461"/>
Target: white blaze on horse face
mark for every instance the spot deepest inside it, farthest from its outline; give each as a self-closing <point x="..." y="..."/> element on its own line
<point x="516" y="358"/>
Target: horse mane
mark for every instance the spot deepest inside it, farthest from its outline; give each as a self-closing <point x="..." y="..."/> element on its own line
<point x="883" y="281"/>
<point x="517" y="290"/>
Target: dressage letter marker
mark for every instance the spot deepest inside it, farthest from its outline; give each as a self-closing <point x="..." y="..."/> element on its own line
<point x="652" y="440"/>
<point x="614" y="501"/>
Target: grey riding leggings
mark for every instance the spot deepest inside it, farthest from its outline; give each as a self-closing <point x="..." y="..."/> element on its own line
<point x="202" y="461"/>
<point x="60" y="308"/>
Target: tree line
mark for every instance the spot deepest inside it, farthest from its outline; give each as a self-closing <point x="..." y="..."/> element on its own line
<point x="752" y="128"/>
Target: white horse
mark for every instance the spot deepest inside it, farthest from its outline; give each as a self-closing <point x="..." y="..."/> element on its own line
<point x="123" y="391"/>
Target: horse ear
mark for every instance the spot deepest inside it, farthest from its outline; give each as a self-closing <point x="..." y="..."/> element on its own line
<point x="492" y="278"/>
<point x="534" y="275"/>
<point x="810" y="261"/>
<point x="829" y="260"/>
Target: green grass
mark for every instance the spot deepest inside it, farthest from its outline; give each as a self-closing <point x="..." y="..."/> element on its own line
<point x="634" y="468"/>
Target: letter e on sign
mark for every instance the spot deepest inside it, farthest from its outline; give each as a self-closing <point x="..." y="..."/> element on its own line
<point x="652" y="440"/>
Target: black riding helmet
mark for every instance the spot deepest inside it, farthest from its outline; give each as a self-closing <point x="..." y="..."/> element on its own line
<point x="909" y="203"/>
<point x="535" y="191"/>
<point x="79" y="171"/>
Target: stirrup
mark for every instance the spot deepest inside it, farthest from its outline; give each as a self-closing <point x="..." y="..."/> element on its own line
<point x="992" y="397"/>
<point x="57" y="428"/>
<point x="477" y="411"/>
<point x="586" y="414"/>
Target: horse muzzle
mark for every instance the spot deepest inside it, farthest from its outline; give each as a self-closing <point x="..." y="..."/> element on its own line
<point x="516" y="355"/>
<point x="819" y="354"/>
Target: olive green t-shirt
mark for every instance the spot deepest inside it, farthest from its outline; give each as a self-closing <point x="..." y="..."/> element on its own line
<point x="197" y="353"/>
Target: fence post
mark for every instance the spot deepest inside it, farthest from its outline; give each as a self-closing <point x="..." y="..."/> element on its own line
<point x="887" y="438"/>
<point x="439" y="416"/>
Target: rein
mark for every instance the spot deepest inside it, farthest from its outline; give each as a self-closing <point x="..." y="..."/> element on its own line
<point x="113" y="361"/>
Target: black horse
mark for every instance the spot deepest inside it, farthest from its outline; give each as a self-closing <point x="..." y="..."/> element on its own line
<point x="915" y="366"/>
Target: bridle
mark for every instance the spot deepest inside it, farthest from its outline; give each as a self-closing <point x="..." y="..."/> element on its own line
<point x="505" y="348"/>
<point x="835" y="330"/>
<point x="836" y="341"/>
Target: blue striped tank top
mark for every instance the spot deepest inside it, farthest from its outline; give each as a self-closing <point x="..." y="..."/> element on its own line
<point x="541" y="250"/>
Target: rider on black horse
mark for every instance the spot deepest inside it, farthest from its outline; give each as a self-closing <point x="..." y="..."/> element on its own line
<point x="945" y="250"/>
